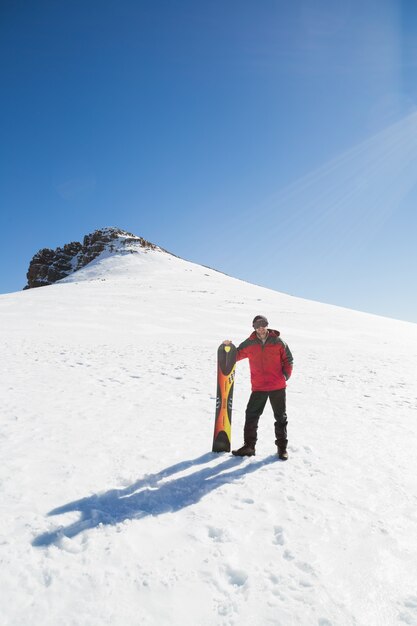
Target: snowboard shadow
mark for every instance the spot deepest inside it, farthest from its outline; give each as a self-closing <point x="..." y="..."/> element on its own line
<point x="151" y="495"/>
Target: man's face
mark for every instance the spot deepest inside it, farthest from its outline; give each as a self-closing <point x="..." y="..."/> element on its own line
<point x="262" y="332"/>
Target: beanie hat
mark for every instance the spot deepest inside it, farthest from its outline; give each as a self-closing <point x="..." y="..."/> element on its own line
<point x="259" y="320"/>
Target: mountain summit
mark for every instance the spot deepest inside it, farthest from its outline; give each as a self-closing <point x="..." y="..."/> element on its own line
<point x="48" y="266"/>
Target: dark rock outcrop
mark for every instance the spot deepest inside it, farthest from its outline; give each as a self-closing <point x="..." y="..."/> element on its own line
<point x="48" y="266"/>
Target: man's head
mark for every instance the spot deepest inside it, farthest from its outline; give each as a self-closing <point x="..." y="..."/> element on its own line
<point x="260" y="321"/>
<point x="260" y="324"/>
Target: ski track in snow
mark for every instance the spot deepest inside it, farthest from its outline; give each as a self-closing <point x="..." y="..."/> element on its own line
<point x="114" y="510"/>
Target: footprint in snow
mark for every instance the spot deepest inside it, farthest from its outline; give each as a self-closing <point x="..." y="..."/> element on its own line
<point x="288" y="556"/>
<point x="236" y="577"/>
<point x="305" y="567"/>
<point x="411" y="602"/>
<point x="279" y="536"/>
<point x="409" y="616"/>
<point x="218" y="534"/>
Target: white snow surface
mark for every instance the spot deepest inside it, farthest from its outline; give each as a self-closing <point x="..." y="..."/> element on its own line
<point x="115" y="511"/>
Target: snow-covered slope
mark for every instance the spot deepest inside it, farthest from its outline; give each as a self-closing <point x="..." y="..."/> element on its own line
<point x="114" y="510"/>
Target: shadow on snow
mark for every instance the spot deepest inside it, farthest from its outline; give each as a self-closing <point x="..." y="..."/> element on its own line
<point x="151" y="496"/>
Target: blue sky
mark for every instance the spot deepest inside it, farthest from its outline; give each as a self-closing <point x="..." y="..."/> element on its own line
<point x="274" y="141"/>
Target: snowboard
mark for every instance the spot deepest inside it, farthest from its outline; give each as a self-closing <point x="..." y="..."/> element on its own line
<point x="226" y="364"/>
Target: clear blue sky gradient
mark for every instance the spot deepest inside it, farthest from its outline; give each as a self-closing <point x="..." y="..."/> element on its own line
<point x="275" y="141"/>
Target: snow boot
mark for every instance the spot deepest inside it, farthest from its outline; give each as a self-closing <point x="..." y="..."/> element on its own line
<point x="244" y="451"/>
<point x="282" y="454"/>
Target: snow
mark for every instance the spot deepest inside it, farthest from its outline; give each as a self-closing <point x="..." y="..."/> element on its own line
<point x="115" y="511"/>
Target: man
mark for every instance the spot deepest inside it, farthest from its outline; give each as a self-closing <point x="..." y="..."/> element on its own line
<point x="270" y="362"/>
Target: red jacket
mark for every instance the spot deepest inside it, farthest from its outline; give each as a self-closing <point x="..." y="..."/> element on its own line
<point x="270" y="362"/>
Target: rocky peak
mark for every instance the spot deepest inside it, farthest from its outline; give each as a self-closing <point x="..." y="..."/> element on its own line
<point x="48" y="266"/>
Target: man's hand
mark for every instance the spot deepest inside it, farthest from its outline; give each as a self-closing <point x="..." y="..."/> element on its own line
<point x="227" y="342"/>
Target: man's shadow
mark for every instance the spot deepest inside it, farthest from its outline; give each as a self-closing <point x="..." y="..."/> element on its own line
<point x="151" y="495"/>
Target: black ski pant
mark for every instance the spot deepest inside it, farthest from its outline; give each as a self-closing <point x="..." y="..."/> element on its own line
<point x="254" y="410"/>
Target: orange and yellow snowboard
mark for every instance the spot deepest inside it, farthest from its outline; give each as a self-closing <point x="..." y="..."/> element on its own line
<point x="226" y="364"/>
